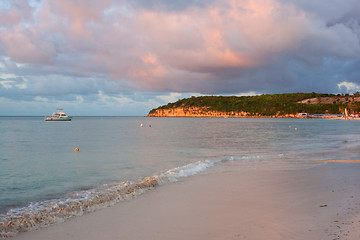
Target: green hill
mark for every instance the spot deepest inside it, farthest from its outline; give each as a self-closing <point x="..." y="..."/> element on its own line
<point x="266" y="105"/>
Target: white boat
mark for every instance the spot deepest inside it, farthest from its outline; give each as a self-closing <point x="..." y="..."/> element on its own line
<point x="59" y="115"/>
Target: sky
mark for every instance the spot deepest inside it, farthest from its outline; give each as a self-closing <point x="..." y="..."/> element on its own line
<point x="125" y="57"/>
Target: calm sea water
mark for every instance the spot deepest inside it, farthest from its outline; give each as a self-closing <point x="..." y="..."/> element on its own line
<point x="39" y="167"/>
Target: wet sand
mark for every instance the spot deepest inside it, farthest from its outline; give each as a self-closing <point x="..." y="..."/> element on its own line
<point x="318" y="203"/>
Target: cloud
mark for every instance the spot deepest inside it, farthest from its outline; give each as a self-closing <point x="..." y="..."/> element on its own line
<point x="172" y="97"/>
<point x="174" y="5"/>
<point x="25" y="45"/>
<point x="63" y="49"/>
<point x="13" y="12"/>
<point x="349" y="86"/>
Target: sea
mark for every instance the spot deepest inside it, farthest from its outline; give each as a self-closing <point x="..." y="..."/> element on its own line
<point x="44" y="181"/>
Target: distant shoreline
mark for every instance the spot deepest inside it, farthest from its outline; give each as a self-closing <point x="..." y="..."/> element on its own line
<point x="287" y="105"/>
<point x="195" y="112"/>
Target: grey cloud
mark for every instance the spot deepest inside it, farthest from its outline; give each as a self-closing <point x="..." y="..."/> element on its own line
<point x="323" y="9"/>
<point x="174" y="5"/>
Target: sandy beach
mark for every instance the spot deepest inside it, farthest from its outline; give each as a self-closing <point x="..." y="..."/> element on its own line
<point x="318" y="203"/>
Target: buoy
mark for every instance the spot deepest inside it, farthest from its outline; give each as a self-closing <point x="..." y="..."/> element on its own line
<point x="76" y="149"/>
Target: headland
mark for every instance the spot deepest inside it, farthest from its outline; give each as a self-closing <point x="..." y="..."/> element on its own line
<point x="290" y="105"/>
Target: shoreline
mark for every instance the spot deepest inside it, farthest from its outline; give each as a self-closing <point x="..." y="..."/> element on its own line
<point x="53" y="211"/>
<point x="316" y="203"/>
<point x="255" y="116"/>
<point x="196" y="113"/>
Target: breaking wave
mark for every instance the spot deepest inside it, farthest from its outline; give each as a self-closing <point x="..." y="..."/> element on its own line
<point x="48" y="212"/>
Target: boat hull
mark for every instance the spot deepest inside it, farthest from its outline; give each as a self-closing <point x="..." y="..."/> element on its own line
<point x="58" y="119"/>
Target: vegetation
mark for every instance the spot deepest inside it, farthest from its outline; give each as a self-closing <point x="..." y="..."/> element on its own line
<point x="266" y="105"/>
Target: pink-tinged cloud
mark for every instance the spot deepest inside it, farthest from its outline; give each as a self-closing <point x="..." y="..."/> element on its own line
<point x="236" y="36"/>
<point x="24" y="45"/>
<point x="79" y="15"/>
<point x="19" y="12"/>
<point x="9" y="17"/>
<point x="221" y="46"/>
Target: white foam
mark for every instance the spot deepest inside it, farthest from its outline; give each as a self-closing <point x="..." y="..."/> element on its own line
<point x="174" y="174"/>
<point x="242" y="158"/>
<point x="77" y="203"/>
<point x="185" y="171"/>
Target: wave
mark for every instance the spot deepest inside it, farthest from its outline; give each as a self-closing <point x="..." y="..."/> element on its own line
<point x="48" y="212"/>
